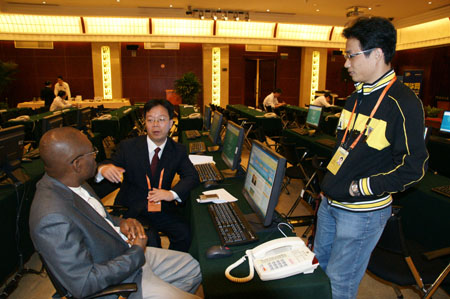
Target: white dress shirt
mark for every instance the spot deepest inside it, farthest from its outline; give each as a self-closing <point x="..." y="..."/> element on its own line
<point x="65" y="87"/>
<point x="58" y="104"/>
<point x="321" y="101"/>
<point x="270" y="100"/>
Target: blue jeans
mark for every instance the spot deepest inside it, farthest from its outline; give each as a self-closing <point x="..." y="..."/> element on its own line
<point x="343" y="243"/>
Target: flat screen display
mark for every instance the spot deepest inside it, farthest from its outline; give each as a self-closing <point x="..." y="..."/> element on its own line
<point x="313" y="117"/>
<point x="445" y="124"/>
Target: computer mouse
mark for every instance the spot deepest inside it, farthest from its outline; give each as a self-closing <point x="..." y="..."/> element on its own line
<point x="210" y="184"/>
<point x="218" y="251"/>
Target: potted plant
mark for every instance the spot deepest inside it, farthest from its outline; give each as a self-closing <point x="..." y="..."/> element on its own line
<point x="188" y="87"/>
<point x="7" y="72"/>
<point x="432" y="112"/>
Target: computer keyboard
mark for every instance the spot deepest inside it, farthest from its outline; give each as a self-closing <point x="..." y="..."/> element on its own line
<point x="192" y="134"/>
<point x="327" y="142"/>
<point x="231" y="225"/>
<point x="443" y="190"/>
<point x="301" y="131"/>
<point x="197" y="147"/>
<point x="208" y="172"/>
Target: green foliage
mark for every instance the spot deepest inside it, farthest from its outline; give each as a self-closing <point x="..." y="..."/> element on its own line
<point x="7" y="73"/>
<point x="188" y="87"/>
<point x="432" y="111"/>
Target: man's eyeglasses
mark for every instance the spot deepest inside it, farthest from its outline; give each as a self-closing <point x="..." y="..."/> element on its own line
<point x="350" y="56"/>
<point x="94" y="152"/>
<point x="157" y="120"/>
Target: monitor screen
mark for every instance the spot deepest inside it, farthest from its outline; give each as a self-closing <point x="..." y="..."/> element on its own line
<point x="313" y="117"/>
<point x="11" y="147"/>
<point x="215" y="127"/>
<point x="445" y="124"/>
<point x="207" y="117"/>
<point x="51" y="122"/>
<point x="265" y="173"/>
<point x="232" y="145"/>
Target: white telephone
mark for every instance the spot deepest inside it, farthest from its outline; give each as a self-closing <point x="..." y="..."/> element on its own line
<point x="276" y="259"/>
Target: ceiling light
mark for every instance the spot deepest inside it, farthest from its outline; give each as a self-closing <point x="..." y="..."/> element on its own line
<point x="215" y="17"/>
<point x="268" y="10"/>
<point x="170" y="5"/>
<point x="317" y="9"/>
<point x="429" y="2"/>
<point x="370" y="8"/>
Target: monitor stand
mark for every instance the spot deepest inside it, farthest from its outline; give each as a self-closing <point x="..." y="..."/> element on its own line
<point x="16" y="176"/>
<point x="229" y="174"/>
<point x="213" y="148"/>
<point x="257" y="226"/>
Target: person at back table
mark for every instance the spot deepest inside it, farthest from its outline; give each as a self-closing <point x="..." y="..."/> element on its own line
<point x="86" y="248"/>
<point x="134" y="160"/>
<point x="61" y="85"/>
<point x="59" y="102"/>
<point x="272" y="100"/>
<point x="47" y="94"/>
<point x="323" y="101"/>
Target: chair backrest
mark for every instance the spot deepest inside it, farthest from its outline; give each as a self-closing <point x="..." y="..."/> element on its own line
<point x="288" y="150"/>
<point x="392" y="238"/>
<point x="60" y="290"/>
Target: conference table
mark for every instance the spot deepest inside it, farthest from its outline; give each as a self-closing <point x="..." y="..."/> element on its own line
<point x="118" y="126"/>
<point x="215" y="284"/>
<point x="271" y="125"/>
<point x="108" y="104"/>
<point x="186" y="121"/>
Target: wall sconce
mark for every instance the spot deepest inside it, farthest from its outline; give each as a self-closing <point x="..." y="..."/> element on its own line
<point x="215" y="90"/>
<point x="106" y="72"/>
<point x="315" y="74"/>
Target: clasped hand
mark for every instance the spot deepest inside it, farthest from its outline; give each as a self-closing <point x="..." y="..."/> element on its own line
<point x="134" y="231"/>
<point x="156" y="195"/>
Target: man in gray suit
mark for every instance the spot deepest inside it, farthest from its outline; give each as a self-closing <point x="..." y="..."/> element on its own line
<point x="88" y="249"/>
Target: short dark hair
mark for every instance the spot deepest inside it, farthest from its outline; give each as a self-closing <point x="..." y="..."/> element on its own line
<point x="277" y="90"/>
<point x="46" y="83"/>
<point x="60" y="77"/>
<point x="156" y="102"/>
<point x="327" y="95"/>
<point x="61" y="93"/>
<point x="374" y="32"/>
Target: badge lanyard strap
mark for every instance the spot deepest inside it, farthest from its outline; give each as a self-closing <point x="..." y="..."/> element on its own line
<point x="380" y="99"/>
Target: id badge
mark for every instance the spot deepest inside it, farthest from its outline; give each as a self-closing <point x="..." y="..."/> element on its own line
<point x="337" y="160"/>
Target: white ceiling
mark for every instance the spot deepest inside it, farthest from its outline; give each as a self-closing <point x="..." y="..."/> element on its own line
<point x="330" y="12"/>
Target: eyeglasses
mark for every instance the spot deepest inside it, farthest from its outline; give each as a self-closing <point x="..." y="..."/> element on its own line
<point x="157" y="120"/>
<point x="94" y="152"/>
<point x="350" y="56"/>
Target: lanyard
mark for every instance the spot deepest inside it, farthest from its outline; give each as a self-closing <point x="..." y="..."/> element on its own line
<point x="380" y="99"/>
<point x="149" y="185"/>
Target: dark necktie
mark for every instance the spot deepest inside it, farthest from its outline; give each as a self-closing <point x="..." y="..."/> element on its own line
<point x="155" y="160"/>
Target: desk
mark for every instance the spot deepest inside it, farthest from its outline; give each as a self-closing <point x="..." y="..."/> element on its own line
<point x="215" y="284"/>
<point x="186" y="123"/>
<point x="31" y="104"/>
<point x="7" y="114"/>
<point x="108" y="104"/>
<point x="8" y="210"/>
<point x="309" y="142"/>
<point x="328" y="120"/>
<point x="439" y="149"/>
<point x="272" y="125"/>
<point x="118" y="126"/>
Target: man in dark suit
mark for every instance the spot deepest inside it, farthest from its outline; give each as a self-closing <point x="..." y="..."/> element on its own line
<point x="47" y="94"/>
<point x="132" y="162"/>
<point x="86" y="248"/>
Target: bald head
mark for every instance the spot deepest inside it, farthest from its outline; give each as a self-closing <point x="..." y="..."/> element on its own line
<point x="59" y="147"/>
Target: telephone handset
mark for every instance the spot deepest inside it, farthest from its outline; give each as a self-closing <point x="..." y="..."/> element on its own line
<point x="276" y="259"/>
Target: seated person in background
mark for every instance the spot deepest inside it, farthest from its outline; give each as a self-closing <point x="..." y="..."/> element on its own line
<point x="323" y="101"/>
<point x="59" y="102"/>
<point x="47" y="94"/>
<point x="272" y="100"/>
<point x="88" y="249"/>
<point x="61" y="85"/>
<point x="132" y="163"/>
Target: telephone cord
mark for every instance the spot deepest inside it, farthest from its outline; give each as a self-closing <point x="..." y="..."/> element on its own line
<point x="237" y="263"/>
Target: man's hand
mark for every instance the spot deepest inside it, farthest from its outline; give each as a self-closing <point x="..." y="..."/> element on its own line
<point x="156" y="195"/>
<point x="132" y="229"/>
<point x="141" y="242"/>
<point x="112" y="173"/>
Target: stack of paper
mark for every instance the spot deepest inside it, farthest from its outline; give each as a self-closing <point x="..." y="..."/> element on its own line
<point x="223" y="195"/>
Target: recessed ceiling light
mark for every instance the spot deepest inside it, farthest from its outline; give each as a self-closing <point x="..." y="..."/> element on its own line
<point x="118" y="0"/>
<point x="370" y="8"/>
<point x="43" y="2"/>
<point x="267" y="10"/>
<point x="429" y="2"/>
<point x="170" y="5"/>
<point x="317" y="9"/>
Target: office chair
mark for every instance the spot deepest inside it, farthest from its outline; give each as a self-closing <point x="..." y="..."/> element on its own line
<point x="403" y="262"/>
<point x="295" y="155"/>
<point x="121" y="290"/>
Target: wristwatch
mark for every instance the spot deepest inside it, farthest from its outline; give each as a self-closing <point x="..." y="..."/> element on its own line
<point x="354" y="189"/>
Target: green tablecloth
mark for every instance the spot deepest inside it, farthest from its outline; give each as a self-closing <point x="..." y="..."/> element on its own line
<point x="13" y="113"/>
<point x="186" y="123"/>
<point x="309" y="142"/>
<point x="328" y="120"/>
<point x="215" y="284"/>
<point x="439" y="149"/>
<point x="8" y="209"/>
<point x="272" y="125"/>
<point x="118" y="126"/>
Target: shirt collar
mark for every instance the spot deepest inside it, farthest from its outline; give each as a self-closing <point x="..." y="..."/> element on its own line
<point x="152" y="146"/>
<point x="378" y="84"/>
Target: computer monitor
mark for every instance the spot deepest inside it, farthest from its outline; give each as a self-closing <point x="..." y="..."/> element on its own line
<point x="265" y="173"/>
<point x="83" y="118"/>
<point x="216" y="125"/>
<point x="313" y="117"/>
<point x="232" y="145"/>
<point x="445" y="124"/>
<point x="11" y="148"/>
<point x="207" y="117"/>
<point x="51" y="122"/>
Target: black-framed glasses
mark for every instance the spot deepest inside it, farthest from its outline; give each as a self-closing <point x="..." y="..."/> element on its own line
<point x="94" y="152"/>
<point x="350" y="56"/>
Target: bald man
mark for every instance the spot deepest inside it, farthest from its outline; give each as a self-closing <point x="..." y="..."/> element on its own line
<point x="88" y="249"/>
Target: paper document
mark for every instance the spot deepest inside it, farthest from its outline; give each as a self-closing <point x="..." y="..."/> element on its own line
<point x="223" y="195"/>
<point x="200" y="159"/>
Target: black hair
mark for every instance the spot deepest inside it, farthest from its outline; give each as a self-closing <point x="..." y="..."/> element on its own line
<point x="46" y="83"/>
<point x="277" y="90"/>
<point x="61" y="93"/>
<point x="60" y="77"/>
<point x="163" y="102"/>
<point x="327" y="95"/>
<point x="374" y="32"/>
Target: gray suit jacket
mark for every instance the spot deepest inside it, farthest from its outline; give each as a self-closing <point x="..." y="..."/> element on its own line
<point x="79" y="246"/>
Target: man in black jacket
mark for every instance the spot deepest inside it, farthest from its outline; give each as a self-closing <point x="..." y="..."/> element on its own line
<point x="149" y="184"/>
<point x="47" y="94"/>
<point x="380" y="151"/>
